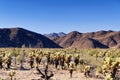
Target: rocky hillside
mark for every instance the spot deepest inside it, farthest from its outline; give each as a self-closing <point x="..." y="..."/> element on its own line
<point x="99" y="39"/>
<point x="17" y="37"/>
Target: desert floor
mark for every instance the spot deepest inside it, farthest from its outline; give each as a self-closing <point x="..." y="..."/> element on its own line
<point x="32" y="74"/>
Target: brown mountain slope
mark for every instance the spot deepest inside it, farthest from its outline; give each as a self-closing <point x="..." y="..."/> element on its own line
<point x="99" y="39"/>
<point x="111" y="39"/>
<point x="17" y="37"/>
<point x="69" y="39"/>
<point x="88" y="43"/>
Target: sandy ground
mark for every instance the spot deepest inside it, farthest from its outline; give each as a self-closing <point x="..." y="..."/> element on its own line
<point x="33" y="74"/>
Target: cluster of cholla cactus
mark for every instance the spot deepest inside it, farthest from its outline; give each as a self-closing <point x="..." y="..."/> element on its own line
<point x="60" y="60"/>
<point x="110" y="68"/>
<point x="6" y="60"/>
<point x="64" y="59"/>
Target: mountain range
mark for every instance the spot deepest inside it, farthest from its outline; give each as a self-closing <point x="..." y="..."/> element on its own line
<point x="99" y="39"/>
<point x="18" y="37"/>
<point x="54" y="36"/>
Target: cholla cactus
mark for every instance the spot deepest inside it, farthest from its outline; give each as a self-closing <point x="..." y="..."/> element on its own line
<point x="98" y="71"/>
<point x="1" y="62"/>
<point x="77" y="59"/>
<point x="108" y="77"/>
<point x="38" y="58"/>
<point x="110" y="67"/>
<point x="11" y="74"/>
<point x="8" y="60"/>
<point x="31" y="56"/>
<point x="87" y="71"/>
<point x="71" y="68"/>
<point x="45" y="73"/>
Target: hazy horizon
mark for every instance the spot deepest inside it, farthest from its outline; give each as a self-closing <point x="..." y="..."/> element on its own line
<point x="48" y="16"/>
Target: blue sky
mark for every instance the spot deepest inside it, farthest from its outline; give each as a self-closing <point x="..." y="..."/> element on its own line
<point x="46" y="16"/>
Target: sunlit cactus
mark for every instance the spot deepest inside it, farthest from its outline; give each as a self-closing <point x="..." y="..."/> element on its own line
<point x="71" y="68"/>
<point x="110" y="67"/>
<point x="11" y="74"/>
<point x="108" y="77"/>
<point x="98" y="71"/>
<point x="8" y="60"/>
<point x="87" y="71"/>
<point x="38" y="58"/>
<point x="31" y="58"/>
